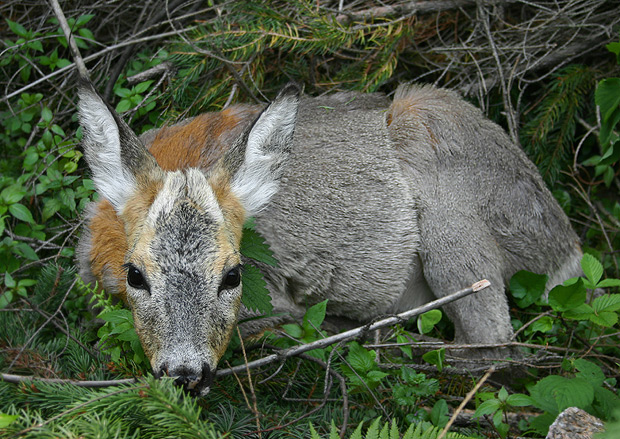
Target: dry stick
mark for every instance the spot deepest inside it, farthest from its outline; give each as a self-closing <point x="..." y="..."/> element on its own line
<point x="254" y="407"/>
<point x="290" y="352"/>
<point x="468" y="397"/>
<point x="77" y="56"/>
<point x="356" y="332"/>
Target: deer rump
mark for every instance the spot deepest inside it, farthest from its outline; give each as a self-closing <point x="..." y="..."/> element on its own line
<point x="379" y="206"/>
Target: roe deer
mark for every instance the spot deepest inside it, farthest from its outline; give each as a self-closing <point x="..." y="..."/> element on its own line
<point x="377" y="206"/>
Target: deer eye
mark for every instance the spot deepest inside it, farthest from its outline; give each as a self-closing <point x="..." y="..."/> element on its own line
<point x="135" y="279"/>
<point x="232" y="279"/>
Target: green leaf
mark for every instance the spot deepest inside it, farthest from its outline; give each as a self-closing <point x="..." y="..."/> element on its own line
<point x="360" y="358"/>
<point x="544" y="324"/>
<point x="436" y="357"/>
<point x="13" y="194"/>
<point x="440" y="414"/>
<point x="527" y="287"/>
<point x="9" y="281"/>
<point x="47" y="114"/>
<point x="609" y="283"/>
<point x="255" y="294"/>
<point x="314" y="316"/>
<point x="253" y="246"/>
<point x="21" y="212"/>
<point x="6" y="420"/>
<point x="606" y="319"/>
<point x="123" y="105"/>
<point x="582" y="312"/>
<point x="143" y="86"/>
<point x="18" y="29"/>
<point x="556" y="393"/>
<point x="608" y="302"/>
<point x="23" y="249"/>
<point x="592" y="268"/>
<point x="488" y="407"/>
<point x="607" y="97"/>
<point x="519" y="400"/>
<point x="564" y="298"/>
<point x="116" y="316"/>
<point x="589" y="371"/>
<point x="293" y="329"/>
<point x="428" y="320"/>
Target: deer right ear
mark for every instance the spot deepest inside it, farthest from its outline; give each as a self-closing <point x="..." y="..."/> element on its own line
<point x="114" y="153"/>
<point x="257" y="161"/>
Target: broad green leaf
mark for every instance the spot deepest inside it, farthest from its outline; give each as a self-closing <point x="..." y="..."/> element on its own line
<point x="255" y="294"/>
<point x="607" y="97"/>
<point x="527" y="287"/>
<point x="589" y="371"/>
<point x="315" y="315"/>
<point x="436" y="357"/>
<point x="606" y="319"/>
<point x="428" y="320"/>
<point x="519" y="400"/>
<point x="116" y="316"/>
<point x="564" y="298"/>
<point x="360" y="358"/>
<point x="488" y="407"/>
<point x="23" y="249"/>
<point x="609" y="283"/>
<point x="293" y="329"/>
<point x="6" y="420"/>
<point x="582" y="312"/>
<point x="608" y="302"/>
<point x="123" y="105"/>
<point x="21" y="212"/>
<point x="18" y="29"/>
<point x="543" y="324"/>
<point x="440" y="414"/>
<point x="592" y="268"/>
<point x="556" y="393"/>
<point x="143" y="86"/>
<point x="9" y="282"/>
<point x="13" y="193"/>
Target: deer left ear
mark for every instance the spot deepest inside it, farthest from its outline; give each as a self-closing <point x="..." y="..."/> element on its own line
<point x="257" y="163"/>
<point x="114" y="153"/>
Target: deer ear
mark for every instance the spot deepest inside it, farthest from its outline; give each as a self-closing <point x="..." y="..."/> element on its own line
<point x="256" y="163"/>
<point x="114" y="153"/>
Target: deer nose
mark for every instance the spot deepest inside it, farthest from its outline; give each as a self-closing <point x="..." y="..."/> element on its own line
<point x="197" y="382"/>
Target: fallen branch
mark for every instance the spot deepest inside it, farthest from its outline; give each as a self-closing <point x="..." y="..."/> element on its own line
<point x="356" y="332"/>
<point x="286" y="353"/>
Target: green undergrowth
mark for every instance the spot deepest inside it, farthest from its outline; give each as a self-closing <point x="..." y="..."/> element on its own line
<point x="392" y="388"/>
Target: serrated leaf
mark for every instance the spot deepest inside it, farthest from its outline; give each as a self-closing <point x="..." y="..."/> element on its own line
<point x="313" y="433"/>
<point x="361" y="359"/>
<point x="589" y="371"/>
<point x="373" y="430"/>
<point x="427" y="321"/>
<point x="592" y="268"/>
<point x="608" y="302"/>
<point x="582" y="312"/>
<point x="255" y="295"/>
<point x="606" y="96"/>
<point x="564" y="298"/>
<point x="21" y="212"/>
<point x="609" y="283"/>
<point x="357" y="434"/>
<point x="606" y="319"/>
<point x="556" y="393"/>
<point x="253" y="246"/>
<point x="527" y="287"/>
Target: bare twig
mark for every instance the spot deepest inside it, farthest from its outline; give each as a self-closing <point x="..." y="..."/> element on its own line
<point x="77" y="56"/>
<point x="468" y="397"/>
<point x="16" y="379"/>
<point x="356" y="332"/>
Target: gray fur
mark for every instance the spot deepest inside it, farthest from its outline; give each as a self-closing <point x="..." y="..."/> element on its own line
<point x="383" y="207"/>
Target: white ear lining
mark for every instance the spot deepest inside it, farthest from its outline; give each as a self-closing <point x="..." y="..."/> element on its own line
<point x="103" y="150"/>
<point x="268" y="146"/>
